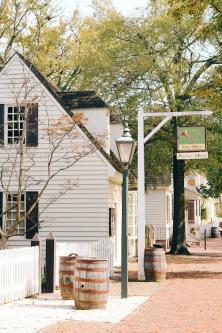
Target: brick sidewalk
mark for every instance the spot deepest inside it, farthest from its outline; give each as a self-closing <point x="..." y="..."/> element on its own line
<point x="190" y="300"/>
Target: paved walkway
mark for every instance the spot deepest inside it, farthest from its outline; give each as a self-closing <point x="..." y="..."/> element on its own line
<point x="189" y="301"/>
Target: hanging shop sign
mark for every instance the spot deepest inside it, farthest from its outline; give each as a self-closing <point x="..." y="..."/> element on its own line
<point x="192" y="155"/>
<point x="191" y="142"/>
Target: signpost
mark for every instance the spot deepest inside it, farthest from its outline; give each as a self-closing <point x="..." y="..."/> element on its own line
<point x="198" y="149"/>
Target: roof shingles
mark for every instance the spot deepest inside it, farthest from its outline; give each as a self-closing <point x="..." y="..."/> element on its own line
<point x="81" y="99"/>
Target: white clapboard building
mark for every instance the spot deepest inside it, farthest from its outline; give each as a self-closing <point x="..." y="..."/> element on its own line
<point x="159" y="206"/>
<point x="89" y="211"/>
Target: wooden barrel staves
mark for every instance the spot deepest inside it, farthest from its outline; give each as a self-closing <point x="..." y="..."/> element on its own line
<point x="155" y="264"/>
<point x="214" y="232"/>
<point x="91" y="283"/>
<point x="66" y="275"/>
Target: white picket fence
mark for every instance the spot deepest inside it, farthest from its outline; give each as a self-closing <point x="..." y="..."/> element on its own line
<point x="98" y="249"/>
<point x="19" y="273"/>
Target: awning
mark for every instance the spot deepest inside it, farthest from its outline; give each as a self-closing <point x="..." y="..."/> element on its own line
<point x="191" y="194"/>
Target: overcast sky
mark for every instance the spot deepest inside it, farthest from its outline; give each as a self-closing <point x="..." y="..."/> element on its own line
<point x="127" y="7"/>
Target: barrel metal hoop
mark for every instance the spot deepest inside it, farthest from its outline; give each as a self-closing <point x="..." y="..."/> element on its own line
<point x="76" y="278"/>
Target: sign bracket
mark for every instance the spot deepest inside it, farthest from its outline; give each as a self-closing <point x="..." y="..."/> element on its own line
<point x="141" y="174"/>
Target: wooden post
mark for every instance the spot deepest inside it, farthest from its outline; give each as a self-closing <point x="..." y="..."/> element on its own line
<point x="37" y="242"/>
<point x="141" y="197"/>
<point x="50" y="263"/>
<point x="141" y="173"/>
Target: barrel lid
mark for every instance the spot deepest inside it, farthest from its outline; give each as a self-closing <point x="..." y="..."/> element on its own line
<point x="153" y="249"/>
<point x="91" y="259"/>
<point x="68" y="257"/>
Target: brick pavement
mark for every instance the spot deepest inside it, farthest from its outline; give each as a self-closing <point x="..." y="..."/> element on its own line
<point x="189" y="301"/>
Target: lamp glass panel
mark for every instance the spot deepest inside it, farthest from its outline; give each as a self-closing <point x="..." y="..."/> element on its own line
<point x="125" y="151"/>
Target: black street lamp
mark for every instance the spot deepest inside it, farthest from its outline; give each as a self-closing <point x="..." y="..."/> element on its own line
<point x="126" y="146"/>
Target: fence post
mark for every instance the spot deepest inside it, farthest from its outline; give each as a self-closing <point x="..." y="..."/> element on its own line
<point x="37" y="242"/>
<point x="50" y="263"/>
<point x="205" y="239"/>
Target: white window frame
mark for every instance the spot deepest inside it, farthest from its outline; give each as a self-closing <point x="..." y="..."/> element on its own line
<point x="23" y="228"/>
<point x="13" y="122"/>
<point x="132" y="215"/>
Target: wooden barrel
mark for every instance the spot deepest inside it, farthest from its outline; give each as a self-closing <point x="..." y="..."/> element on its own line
<point x="155" y="264"/>
<point x="91" y="283"/>
<point x="66" y="275"/>
<point x="214" y="232"/>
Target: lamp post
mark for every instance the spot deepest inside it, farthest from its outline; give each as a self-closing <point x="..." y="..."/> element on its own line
<point x="126" y="146"/>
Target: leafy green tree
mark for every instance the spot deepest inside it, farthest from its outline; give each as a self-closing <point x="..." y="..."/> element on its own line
<point x="22" y="18"/>
<point x="167" y="59"/>
<point x="161" y="61"/>
<point x="38" y="30"/>
<point x="212" y="167"/>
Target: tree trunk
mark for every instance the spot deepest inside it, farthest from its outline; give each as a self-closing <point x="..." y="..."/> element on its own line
<point x="3" y="242"/>
<point x="178" y="245"/>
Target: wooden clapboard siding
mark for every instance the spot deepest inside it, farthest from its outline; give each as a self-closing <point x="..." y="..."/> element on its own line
<point x="115" y="193"/>
<point x="81" y="214"/>
<point x="101" y="127"/>
<point x="19" y="242"/>
<point x="155" y="209"/>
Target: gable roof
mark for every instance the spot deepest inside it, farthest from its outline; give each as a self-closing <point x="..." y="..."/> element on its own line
<point x="60" y="97"/>
<point x="159" y="180"/>
<point x="81" y="99"/>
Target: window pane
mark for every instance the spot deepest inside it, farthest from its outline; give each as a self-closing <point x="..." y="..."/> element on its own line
<point x="15" y="123"/>
<point x="22" y="116"/>
<point x="11" y="215"/>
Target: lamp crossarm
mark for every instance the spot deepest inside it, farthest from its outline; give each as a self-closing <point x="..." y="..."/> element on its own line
<point x="156" y="129"/>
<point x="177" y="114"/>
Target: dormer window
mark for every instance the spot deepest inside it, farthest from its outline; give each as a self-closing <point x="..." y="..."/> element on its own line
<point x="16" y="117"/>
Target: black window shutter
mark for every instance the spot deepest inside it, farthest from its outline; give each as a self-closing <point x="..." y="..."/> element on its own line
<point x="33" y="218"/>
<point x="191" y="212"/>
<point x="111" y="222"/>
<point x="1" y="210"/>
<point x="32" y="126"/>
<point x="2" y="118"/>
